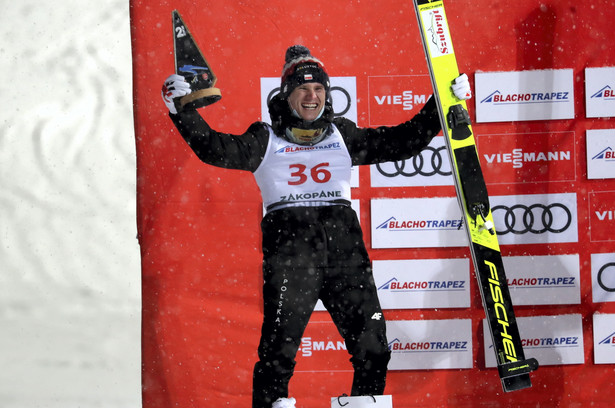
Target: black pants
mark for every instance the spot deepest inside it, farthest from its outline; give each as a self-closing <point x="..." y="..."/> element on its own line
<point x="310" y="254"/>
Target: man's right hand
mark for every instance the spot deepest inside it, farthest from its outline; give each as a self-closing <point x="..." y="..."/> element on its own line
<point x="175" y="86"/>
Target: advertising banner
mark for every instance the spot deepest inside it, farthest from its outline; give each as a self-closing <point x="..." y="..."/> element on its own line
<point x="432" y="167"/>
<point x="535" y="218"/>
<point x="603" y="277"/>
<point x="552" y="340"/>
<point x="547" y="168"/>
<point x="544" y="280"/>
<point x="601" y="216"/>
<point x="524" y="95"/>
<point x="528" y="158"/>
<point x="417" y="222"/>
<point x="600" y="144"/>
<point x="394" y="99"/>
<point x="423" y="283"/>
<point x="600" y="92"/>
<point x="430" y="344"/>
<point x="604" y="338"/>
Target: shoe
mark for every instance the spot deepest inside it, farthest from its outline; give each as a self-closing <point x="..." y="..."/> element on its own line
<point x="284" y="403"/>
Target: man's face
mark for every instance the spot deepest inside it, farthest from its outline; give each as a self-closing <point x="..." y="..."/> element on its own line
<point x="308" y="100"/>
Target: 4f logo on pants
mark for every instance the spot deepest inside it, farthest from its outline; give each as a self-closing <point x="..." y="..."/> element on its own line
<point x="377" y="316"/>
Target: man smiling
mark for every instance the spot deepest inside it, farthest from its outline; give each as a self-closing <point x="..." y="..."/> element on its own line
<point x="312" y="245"/>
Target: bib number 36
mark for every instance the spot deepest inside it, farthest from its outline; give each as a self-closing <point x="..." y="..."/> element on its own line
<point x="300" y="174"/>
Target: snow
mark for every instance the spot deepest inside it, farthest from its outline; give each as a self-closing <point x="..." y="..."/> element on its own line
<point x="69" y="258"/>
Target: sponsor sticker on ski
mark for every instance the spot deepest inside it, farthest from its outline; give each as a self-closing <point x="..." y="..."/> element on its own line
<point x="437" y="32"/>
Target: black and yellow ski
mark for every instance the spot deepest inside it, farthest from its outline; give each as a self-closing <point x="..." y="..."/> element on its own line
<point x="513" y="367"/>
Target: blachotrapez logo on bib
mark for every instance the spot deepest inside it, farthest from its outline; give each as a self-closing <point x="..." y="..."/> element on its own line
<point x="290" y="149"/>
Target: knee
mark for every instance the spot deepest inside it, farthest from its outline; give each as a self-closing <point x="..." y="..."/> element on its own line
<point x="371" y="351"/>
<point x="277" y="357"/>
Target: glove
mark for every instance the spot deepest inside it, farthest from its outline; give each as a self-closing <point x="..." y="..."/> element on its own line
<point x="175" y="86"/>
<point x="461" y="87"/>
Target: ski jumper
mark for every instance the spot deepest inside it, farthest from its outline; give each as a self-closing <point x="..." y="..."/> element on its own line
<point x="312" y="242"/>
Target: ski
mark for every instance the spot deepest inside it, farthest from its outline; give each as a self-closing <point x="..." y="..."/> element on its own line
<point x="513" y="368"/>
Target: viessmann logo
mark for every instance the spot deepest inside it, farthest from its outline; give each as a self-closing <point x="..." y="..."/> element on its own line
<point x="520" y="157"/>
<point x="499" y="98"/>
<point x="407" y="99"/>
<point x="310" y="346"/>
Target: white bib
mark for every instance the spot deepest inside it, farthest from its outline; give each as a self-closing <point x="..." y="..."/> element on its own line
<point x="298" y="175"/>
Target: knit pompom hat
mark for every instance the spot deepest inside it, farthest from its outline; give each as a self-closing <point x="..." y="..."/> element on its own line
<point x="301" y="67"/>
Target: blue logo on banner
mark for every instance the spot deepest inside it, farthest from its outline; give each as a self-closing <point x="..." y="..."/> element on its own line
<point x="498" y="98"/>
<point x="605" y="93"/>
<point x="610" y="339"/>
<point x="606" y="154"/>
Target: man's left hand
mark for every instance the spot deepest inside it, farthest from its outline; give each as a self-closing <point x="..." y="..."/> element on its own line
<point x="461" y="87"/>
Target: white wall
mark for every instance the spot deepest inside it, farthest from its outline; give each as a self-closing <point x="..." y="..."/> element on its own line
<point x="69" y="260"/>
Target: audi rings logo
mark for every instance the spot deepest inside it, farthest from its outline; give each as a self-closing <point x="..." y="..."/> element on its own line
<point x="535" y="218"/>
<point x="342" y="98"/>
<point x="609" y="286"/>
<point x="418" y="165"/>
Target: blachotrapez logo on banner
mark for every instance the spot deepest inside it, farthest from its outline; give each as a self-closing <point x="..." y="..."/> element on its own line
<point x="536" y="218"/>
<point x="423" y="283"/>
<point x="524" y="95"/>
<point x="417" y="223"/>
<point x="552" y="340"/>
<point x="600" y="92"/>
<point x="430" y="344"/>
<point x="604" y="338"/>
<point x="600" y="145"/>
<point x="544" y="280"/>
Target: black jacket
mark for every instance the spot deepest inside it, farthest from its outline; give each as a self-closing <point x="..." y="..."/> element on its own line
<point x="366" y="145"/>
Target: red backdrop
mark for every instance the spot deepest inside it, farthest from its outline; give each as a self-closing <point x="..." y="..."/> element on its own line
<point x="199" y="226"/>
